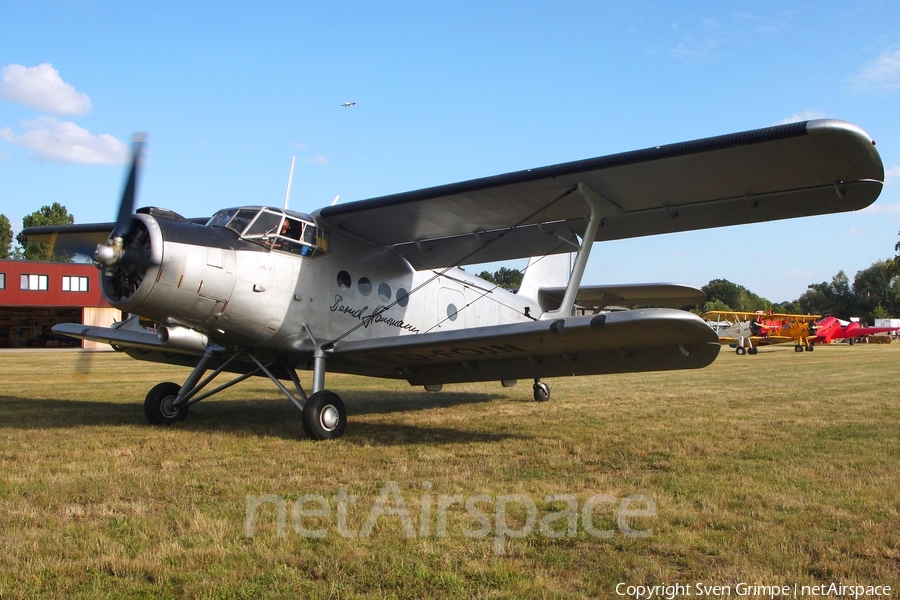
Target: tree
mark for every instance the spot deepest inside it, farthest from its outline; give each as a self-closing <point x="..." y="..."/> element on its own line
<point x="6" y="236"/>
<point x="879" y="285"/>
<point x="835" y="298"/>
<point x="55" y="214"/>
<point x="509" y="279"/>
<point x="735" y="297"/>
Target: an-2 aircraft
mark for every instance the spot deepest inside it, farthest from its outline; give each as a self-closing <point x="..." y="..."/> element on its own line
<point x="372" y="287"/>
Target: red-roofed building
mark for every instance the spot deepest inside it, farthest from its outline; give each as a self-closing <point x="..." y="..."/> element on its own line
<point x="35" y="296"/>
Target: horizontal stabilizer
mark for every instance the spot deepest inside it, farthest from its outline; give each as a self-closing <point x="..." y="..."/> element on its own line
<point x="638" y="294"/>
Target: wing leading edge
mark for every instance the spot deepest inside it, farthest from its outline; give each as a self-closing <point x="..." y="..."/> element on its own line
<point x="800" y="169"/>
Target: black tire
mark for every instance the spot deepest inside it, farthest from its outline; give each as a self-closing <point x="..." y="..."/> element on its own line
<point x="158" y="405"/>
<point x="810" y="348"/>
<point x="324" y="416"/>
<point x="798" y="348"/>
<point x="740" y="350"/>
<point x="541" y="392"/>
<point x="753" y="350"/>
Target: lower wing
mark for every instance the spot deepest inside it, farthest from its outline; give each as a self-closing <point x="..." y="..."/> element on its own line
<point x="619" y="342"/>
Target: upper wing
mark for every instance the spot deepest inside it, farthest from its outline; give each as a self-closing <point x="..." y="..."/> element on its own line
<point x="636" y="294"/>
<point x="81" y="238"/>
<point x="621" y="342"/>
<point x="800" y="169"/>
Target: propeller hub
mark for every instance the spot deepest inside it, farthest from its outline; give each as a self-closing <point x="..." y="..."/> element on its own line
<point x="106" y="255"/>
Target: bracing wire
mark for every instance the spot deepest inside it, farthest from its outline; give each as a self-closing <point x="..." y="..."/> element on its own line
<point x="460" y="261"/>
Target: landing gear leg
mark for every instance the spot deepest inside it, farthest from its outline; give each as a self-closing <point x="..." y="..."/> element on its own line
<point x="324" y="416"/>
<point x="541" y="391"/>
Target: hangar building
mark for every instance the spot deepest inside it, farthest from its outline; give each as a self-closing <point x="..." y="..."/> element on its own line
<point x="35" y="296"/>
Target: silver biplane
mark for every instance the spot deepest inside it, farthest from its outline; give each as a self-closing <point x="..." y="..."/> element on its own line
<point x="374" y="288"/>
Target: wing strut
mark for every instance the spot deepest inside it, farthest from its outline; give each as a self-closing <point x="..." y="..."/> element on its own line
<point x="600" y="209"/>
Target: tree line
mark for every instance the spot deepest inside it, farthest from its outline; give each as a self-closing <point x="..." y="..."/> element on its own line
<point x="55" y="214"/>
<point x="874" y="293"/>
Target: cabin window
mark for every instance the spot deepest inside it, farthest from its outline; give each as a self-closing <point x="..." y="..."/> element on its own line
<point x="364" y="286"/>
<point x="452" y="312"/>
<point x="402" y="297"/>
<point x="343" y="280"/>
<point x="34" y="282"/>
<point x="74" y="284"/>
<point x="384" y="292"/>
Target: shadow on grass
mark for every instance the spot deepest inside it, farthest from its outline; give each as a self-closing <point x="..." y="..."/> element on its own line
<point x="271" y="417"/>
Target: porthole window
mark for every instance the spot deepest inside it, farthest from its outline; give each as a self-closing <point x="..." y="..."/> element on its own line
<point x="452" y="312"/>
<point x="344" y="281"/>
<point x="402" y="297"/>
<point x="384" y="292"/>
<point x="365" y="286"/>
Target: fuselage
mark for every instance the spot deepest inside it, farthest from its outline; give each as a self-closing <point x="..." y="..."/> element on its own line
<point x="276" y="280"/>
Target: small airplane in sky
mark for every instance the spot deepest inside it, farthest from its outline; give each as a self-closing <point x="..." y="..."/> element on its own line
<point x="746" y="331"/>
<point x="348" y="104"/>
<point x="374" y="287"/>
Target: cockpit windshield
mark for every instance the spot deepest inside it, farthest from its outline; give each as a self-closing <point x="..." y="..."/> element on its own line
<point x="275" y="229"/>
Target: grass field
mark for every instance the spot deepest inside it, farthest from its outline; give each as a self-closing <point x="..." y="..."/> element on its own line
<point x="780" y="468"/>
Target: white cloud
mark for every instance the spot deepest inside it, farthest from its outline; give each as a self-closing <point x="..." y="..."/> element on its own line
<point x="807" y="115"/>
<point x="881" y="209"/>
<point x="43" y="89"/>
<point x="317" y="160"/>
<point x="892" y="173"/>
<point x="64" y="142"/>
<point x="694" y="50"/>
<point x="880" y="75"/>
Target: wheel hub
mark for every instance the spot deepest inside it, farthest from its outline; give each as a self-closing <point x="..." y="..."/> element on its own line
<point x="167" y="408"/>
<point x="329" y="417"/>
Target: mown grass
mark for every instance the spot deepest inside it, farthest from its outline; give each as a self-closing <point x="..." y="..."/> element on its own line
<point x="776" y="468"/>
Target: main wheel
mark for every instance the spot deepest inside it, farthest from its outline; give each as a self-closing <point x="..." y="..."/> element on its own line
<point x="158" y="405"/>
<point x="810" y="348"/>
<point x="324" y="416"/>
<point x="753" y="350"/>
<point x="740" y="350"/>
<point x="798" y="348"/>
<point x="541" y="391"/>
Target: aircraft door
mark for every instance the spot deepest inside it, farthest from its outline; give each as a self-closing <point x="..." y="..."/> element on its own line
<point x="450" y="310"/>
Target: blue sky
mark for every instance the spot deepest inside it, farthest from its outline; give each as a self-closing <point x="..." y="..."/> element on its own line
<point x="228" y="92"/>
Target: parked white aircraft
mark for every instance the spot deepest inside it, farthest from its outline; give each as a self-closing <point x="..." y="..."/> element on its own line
<point x="373" y="287"/>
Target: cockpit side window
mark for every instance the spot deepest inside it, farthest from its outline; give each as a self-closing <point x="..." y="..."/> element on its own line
<point x="274" y="229"/>
<point x="265" y="226"/>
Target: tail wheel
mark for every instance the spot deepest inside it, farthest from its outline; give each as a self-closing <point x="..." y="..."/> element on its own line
<point x="158" y="405"/>
<point x="541" y="391"/>
<point x="324" y="416"/>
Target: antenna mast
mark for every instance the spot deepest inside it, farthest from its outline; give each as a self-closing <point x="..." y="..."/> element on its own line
<point x="287" y="194"/>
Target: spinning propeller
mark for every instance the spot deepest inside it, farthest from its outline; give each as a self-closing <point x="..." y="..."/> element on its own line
<point x="125" y="256"/>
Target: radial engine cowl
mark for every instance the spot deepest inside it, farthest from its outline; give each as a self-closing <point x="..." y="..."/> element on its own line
<point x="128" y="283"/>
